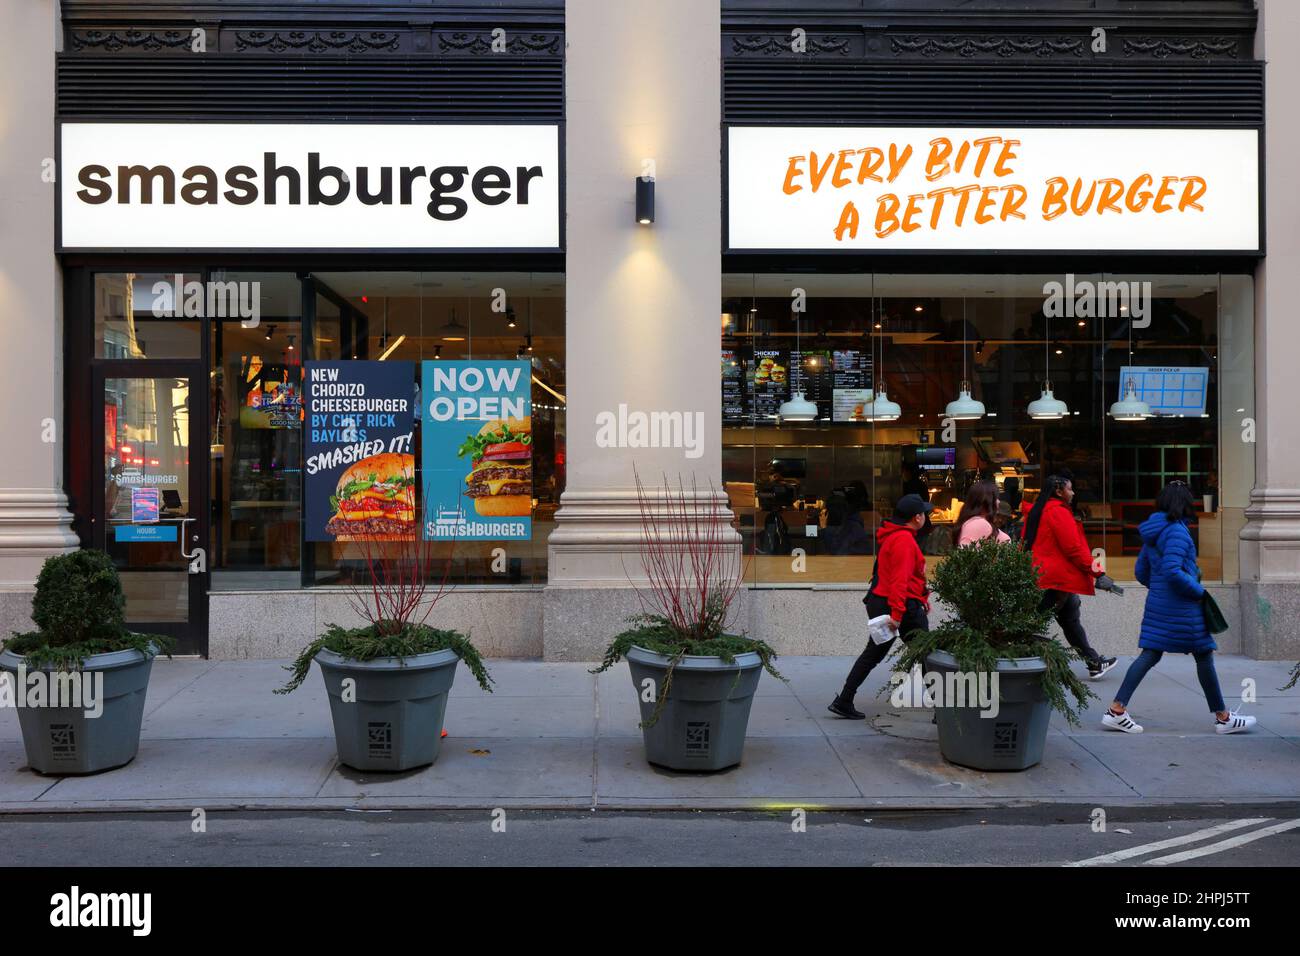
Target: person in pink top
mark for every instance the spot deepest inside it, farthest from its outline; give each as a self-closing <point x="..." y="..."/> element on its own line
<point x="975" y="523"/>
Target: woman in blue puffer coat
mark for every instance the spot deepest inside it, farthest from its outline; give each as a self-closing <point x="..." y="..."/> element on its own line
<point x="1174" y="618"/>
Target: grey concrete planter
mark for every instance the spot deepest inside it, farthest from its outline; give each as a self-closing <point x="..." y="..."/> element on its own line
<point x="65" y="740"/>
<point x="702" y="726"/>
<point x="394" y="721"/>
<point x="1012" y="740"/>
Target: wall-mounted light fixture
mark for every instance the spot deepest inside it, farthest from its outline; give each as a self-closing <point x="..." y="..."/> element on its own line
<point x="645" y="200"/>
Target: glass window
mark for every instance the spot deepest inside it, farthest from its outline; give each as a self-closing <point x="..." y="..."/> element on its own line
<point x="149" y="314"/>
<point x="880" y="357"/>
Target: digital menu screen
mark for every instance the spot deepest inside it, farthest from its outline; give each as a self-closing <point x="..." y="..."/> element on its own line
<point x="734" y="406"/>
<point x="771" y="383"/>
<point x="851" y="385"/>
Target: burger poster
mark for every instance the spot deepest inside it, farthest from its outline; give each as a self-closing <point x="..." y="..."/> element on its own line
<point x="477" y="450"/>
<point x="360" y="462"/>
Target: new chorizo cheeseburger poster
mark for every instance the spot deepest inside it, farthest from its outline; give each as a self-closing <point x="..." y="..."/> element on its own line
<point x="360" y="463"/>
<point x="477" y="438"/>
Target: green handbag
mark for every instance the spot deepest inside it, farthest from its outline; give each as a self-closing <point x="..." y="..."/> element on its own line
<point x="1214" y="619"/>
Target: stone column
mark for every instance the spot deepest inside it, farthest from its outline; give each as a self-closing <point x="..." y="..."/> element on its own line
<point x="1270" y="541"/>
<point x="34" y="518"/>
<point x="643" y="302"/>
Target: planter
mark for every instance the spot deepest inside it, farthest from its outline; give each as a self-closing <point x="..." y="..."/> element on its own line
<point x="394" y="720"/>
<point x="1014" y="739"/>
<point x="65" y="740"/>
<point x="702" y="724"/>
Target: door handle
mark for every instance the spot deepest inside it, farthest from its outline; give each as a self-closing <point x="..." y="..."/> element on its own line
<point x="197" y="558"/>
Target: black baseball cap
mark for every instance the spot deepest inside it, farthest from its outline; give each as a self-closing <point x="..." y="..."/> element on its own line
<point x="909" y="506"/>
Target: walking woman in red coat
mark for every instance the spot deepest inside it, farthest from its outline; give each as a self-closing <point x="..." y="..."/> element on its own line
<point x="1064" y="565"/>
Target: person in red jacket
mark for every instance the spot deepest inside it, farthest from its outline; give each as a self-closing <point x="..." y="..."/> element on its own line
<point x="1065" y="568"/>
<point x="898" y="588"/>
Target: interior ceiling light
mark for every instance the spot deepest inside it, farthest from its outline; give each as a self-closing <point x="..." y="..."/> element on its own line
<point x="964" y="408"/>
<point x="1047" y="407"/>
<point x="453" y="331"/>
<point x="797" y="409"/>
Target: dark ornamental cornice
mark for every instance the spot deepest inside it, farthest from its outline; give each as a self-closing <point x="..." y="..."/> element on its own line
<point x="117" y="41"/>
<point x="924" y="45"/>
<point x="480" y="43"/>
<point x="317" y="41"/>
<point x="783" y="45"/>
<point x="1163" y="49"/>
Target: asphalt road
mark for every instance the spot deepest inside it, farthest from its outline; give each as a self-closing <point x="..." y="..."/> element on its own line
<point x="1190" y="836"/>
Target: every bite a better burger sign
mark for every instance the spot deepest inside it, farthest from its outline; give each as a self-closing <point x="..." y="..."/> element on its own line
<point x="477" y="450"/>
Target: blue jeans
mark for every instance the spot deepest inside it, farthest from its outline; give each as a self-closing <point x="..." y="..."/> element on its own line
<point x="1205" y="673"/>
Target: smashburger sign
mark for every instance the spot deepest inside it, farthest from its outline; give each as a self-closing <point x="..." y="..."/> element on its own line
<point x="308" y="186"/>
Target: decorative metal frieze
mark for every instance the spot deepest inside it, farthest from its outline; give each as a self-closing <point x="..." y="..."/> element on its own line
<point x="783" y="44"/>
<point x="519" y="44"/>
<point x="1163" y="49"/>
<point x="318" y="41"/>
<point x="980" y="46"/>
<point x="117" y="41"/>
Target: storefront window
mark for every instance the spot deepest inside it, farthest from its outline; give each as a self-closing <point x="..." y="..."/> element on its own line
<point x="799" y="487"/>
<point x="152" y="315"/>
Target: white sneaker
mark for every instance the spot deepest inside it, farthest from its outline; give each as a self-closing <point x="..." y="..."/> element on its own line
<point x="1235" y="724"/>
<point x="1121" y="722"/>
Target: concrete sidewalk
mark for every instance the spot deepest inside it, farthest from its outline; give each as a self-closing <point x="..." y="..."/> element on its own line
<point x="553" y="735"/>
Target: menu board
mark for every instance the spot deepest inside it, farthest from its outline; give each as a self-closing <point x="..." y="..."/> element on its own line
<point x="851" y="385"/>
<point x="734" y="406"/>
<point x="1178" y="391"/>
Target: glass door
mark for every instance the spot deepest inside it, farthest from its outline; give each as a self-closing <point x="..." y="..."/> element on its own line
<point x="150" y="508"/>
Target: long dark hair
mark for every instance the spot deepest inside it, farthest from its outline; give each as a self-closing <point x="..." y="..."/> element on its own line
<point x="981" y="502"/>
<point x="1052" y="488"/>
<point x="1177" y="502"/>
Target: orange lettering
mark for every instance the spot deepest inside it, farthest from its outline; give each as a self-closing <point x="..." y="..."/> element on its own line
<point x="963" y="197"/>
<point x="999" y="169"/>
<point x="815" y="174"/>
<point x="940" y="149"/>
<point x="886" y="215"/>
<point x="1163" y="193"/>
<point x="913" y="210"/>
<point x="871" y="160"/>
<point x="987" y="199"/>
<point x="984" y="143"/>
<point x="1054" y="198"/>
<point x="1111" y="191"/>
<point x="840" y="165"/>
<point x="937" y="195"/>
<point x="791" y="172"/>
<point x="897" y="159"/>
<point x="1077" y="207"/>
<point x="1191" y="193"/>
<point x="849" y="222"/>
<point x="1012" y="201"/>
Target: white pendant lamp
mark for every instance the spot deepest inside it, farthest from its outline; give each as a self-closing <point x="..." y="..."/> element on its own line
<point x="797" y="409"/>
<point x="882" y="409"/>
<point x="965" y="408"/>
<point x="1047" y="407"/>
<point x="1131" y="408"/>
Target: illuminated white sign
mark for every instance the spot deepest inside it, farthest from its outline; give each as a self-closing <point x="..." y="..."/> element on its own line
<point x="308" y="186"/>
<point x="863" y="189"/>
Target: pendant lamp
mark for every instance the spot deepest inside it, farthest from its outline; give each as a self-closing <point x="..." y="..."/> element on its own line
<point x="1047" y="407"/>
<point x="965" y="408"/>
<point x="881" y="408"/>
<point x="1130" y="408"/>
<point x="797" y="409"/>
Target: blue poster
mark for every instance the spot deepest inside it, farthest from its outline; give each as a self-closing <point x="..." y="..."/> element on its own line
<point x="1177" y="391"/>
<point x="477" y="438"/>
<point x="359" y="456"/>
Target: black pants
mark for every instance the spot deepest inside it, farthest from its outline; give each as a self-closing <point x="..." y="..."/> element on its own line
<point x="1066" y="606"/>
<point x="914" y="619"/>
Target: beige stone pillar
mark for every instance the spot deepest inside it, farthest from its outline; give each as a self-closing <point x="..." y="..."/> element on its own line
<point x="34" y="518"/>
<point x="643" y="334"/>
<point x="1270" y="542"/>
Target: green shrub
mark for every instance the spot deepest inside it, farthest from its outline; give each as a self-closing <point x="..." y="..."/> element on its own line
<point x="992" y="588"/>
<point x="79" y="611"/>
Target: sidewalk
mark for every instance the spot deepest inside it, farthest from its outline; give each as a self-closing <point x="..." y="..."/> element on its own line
<point x="553" y="735"/>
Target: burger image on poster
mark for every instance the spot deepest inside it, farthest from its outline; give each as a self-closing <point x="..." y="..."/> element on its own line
<point x="501" y="468"/>
<point x="375" y="500"/>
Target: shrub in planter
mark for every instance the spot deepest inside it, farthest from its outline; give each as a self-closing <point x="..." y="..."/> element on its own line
<point x="997" y="629"/>
<point x="1295" y="676"/>
<point x="388" y="679"/>
<point x="694" y="677"/>
<point x="82" y="674"/>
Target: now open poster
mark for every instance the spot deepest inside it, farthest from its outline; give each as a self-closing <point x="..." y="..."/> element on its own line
<point x="477" y="437"/>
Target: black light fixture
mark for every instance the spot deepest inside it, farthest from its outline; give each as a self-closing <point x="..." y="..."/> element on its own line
<point x="510" y="317"/>
<point x="437" y="352"/>
<point x="528" y="340"/>
<point x="645" y="200"/>
<point x="270" y="330"/>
